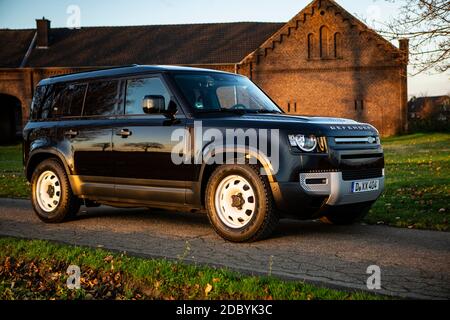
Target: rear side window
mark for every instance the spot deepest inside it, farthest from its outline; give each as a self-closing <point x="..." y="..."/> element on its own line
<point x="101" y="98"/>
<point x="63" y="100"/>
<point x="46" y="110"/>
<point x="56" y="108"/>
<point x="73" y="100"/>
<point x="38" y="101"/>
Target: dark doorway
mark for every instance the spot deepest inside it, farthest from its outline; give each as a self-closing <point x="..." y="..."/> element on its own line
<point x="10" y="119"/>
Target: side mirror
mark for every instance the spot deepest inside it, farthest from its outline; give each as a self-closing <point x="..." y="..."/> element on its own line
<point x="153" y="104"/>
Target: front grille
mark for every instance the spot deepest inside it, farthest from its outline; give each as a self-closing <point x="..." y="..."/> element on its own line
<point x="349" y="175"/>
<point x="372" y="140"/>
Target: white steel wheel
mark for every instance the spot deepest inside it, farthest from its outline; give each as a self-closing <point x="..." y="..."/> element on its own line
<point x="235" y="201"/>
<point x="48" y="191"/>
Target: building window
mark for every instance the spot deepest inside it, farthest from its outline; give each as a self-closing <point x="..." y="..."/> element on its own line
<point x="359" y="105"/>
<point x="310" y="46"/>
<point x="337" y="45"/>
<point x="325" y="43"/>
<point x="328" y="46"/>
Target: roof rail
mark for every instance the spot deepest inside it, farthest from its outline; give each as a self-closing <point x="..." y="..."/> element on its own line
<point x="96" y="69"/>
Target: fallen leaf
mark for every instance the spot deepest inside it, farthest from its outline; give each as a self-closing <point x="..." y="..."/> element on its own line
<point x="208" y="289"/>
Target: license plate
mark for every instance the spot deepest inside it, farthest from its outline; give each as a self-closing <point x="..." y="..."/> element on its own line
<point x="365" y="186"/>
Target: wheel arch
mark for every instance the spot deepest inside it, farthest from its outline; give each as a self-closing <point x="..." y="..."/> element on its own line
<point x="37" y="156"/>
<point x="208" y="168"/>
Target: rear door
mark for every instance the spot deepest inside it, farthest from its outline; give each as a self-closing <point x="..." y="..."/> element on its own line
<point x="142" y="146"/>
<point x="89" y="130"/>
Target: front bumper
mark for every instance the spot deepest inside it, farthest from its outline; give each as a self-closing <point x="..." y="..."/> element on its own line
<point x="350" y="157"/>
<point x="338" y="190"/>
<point x="302" y="200"/>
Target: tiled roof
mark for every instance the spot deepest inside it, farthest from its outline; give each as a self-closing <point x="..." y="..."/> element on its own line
<point x="214" y="43"/>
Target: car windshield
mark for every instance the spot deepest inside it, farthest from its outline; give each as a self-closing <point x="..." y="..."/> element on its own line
<point x="214" y="92"/>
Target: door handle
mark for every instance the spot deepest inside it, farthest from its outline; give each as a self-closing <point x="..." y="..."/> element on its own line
<point x="124" y="133"/>
<point x="71" y="133"/>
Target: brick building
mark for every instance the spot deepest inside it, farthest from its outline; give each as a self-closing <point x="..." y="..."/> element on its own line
<point x="324" y="61"/>
<point x="429" y="113"/>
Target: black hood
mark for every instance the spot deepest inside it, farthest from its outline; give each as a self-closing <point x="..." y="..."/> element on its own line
<point x="321" y="126"/>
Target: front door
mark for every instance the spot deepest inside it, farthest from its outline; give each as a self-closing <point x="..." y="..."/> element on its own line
<point x="142" y="146"/>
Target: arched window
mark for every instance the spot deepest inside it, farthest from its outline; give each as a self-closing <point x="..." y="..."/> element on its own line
<point x="337" y="45"/>
<point x="310" y="46"/>
<point x="325" y="43"/>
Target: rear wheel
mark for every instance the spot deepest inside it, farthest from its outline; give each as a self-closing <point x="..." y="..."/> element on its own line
<point x="240" y="204"/>
<point x="346" y="214"/>
<point x="52" y="197"/>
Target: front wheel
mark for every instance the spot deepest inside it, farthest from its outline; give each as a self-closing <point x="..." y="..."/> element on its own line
<point x="240" y="204"/>
<point x="346" y="214"/>
<point x="51" y="196"/>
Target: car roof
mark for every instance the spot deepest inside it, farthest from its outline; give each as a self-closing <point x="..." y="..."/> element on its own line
<point x="121" y="71"/>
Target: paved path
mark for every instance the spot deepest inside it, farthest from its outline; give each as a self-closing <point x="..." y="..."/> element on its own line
<point x="414" y="264"/>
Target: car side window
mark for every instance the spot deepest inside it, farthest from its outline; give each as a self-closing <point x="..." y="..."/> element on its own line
<point x="73" y="100"/>
<point x="68" y="100"/>
<point x="46" y="109"/>
<point x="138" y="89"/>
<point x="102" y="98"/>
<point x="38" y="101"/>
<point x="57" y="106"/>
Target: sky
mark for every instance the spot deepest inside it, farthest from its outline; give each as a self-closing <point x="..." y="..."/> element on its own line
<point x="21" y="14"/>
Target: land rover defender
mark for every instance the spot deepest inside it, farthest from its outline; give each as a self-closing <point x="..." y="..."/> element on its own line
<point x="194" y="140"/>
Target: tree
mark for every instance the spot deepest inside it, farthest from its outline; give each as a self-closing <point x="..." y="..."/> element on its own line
<point x="426" y="23"/>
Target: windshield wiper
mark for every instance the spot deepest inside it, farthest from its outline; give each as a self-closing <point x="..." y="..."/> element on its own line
<point x="224" y="110"/>
<point x="269" y="111"/>
<point x="237" y="111"/>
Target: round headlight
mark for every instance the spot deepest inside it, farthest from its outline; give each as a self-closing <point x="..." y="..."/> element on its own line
<point x="306" y="143"/>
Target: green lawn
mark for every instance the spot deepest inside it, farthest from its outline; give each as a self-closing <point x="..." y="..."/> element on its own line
<point x="12" y="181"/>
<point x="417" y="187"/>
<point x="417" y="183"/>
<point x="35" y="269"/>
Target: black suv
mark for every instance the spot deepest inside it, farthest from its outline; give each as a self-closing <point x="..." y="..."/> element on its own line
<point x="194" y="140"/>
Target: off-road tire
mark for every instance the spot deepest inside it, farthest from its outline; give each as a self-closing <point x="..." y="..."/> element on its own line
<point x="69" y="204"/>
<point x="265" y="218"/>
